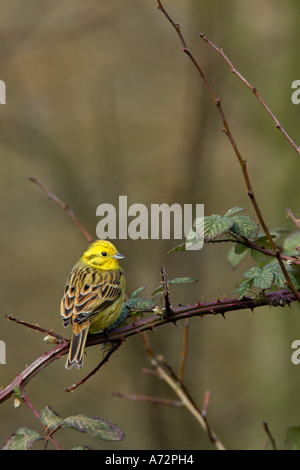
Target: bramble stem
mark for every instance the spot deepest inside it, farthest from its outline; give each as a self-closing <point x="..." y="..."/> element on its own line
<point x="242" y="162"/>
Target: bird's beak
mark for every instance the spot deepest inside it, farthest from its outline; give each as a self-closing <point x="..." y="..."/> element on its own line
<point x="118" y="256"/>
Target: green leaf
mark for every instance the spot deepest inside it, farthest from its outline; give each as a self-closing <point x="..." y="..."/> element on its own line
<point x="215" y="225"/>
<point x="244" y="226"/>
<point x="240" y="248"/>
<point x="82" y="447"/>
<point x="96" y="427"/>
<point x="290" y="244"/>
<point x="293" y="437"/>
<point x="137" y="292"/>
<point x="235" y="258"/>
<point x="258" y="256"/>
<point x="252" y="272"/>
<point x="50" y="418"/>
<point x="178" y="280"/>
<point x="243" y="288"/>
<point x="140" y="304"/>
<point x="234" y="210"/>
<point x="264" y="279"/>
<point x="17" y="393"/>
<point x="183" y="280"/>
<point x="180" y="247"/>
<point x="157" y="292"/>
<point x="22" y="439"/>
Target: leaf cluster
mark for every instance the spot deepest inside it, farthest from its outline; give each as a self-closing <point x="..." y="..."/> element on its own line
<point x="24" y="438"/>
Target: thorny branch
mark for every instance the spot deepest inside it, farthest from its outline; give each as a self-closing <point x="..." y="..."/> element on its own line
<point x="200" y="309"/>
<point x="228" y="133"/>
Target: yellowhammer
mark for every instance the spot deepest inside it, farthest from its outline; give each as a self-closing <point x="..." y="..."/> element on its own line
<point x="93" y="296"/>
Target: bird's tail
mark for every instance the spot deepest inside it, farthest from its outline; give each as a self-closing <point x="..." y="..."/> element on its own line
<point x="77" y="347"/>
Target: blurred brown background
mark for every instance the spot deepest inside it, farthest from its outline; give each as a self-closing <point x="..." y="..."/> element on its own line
<point x="101" y="102"/>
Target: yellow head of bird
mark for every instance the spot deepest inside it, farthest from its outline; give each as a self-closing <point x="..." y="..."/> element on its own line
<point x="102" y="254"/>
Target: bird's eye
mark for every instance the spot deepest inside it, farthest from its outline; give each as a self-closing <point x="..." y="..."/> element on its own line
<point x="104" y="253"/>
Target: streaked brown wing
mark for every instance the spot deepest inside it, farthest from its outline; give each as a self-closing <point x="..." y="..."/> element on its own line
<point x="88" y="292"/>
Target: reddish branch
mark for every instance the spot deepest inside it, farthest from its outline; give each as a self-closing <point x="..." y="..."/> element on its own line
<point x="201" y="309"/>
<point x="63" y="205"/>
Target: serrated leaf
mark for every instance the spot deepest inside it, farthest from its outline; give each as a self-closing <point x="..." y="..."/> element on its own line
<point x="96" y="427"/>
<point x="235" y="258"/>
<point x="293" y="437"/>
<point x="264" y="279"/>
<point x="183" y="280"/>
<point x="279" y="280"/>
<point x="140" y="304"/>
<point x="244" y="226"/>
<point x="137" y="292"/>
<point x="50" y="418"/>
<point x="234" y="210"/>
<point x="215" y="226"/>
<point x="252" y="272"/>
<point x="22" y="439"/>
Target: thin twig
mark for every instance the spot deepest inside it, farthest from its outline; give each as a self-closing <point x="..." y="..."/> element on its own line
<point x="36" y="327"/>
<point x="290" y="214"/>
<point x="154" y="400"/>
<point x="266" y="428"/>
<point x="242" y="162"/>
<point x="252" y="88"/>
<point x="255" y="246"/>
<point x="159" y="364"/>
<point x="205" y="403"/>
<point x="64" y="206"/>
<point x="184" y="349"/>
<point x="113" y="348"/>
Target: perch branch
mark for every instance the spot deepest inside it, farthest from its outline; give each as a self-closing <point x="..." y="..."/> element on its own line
<point x="201" y="309"/>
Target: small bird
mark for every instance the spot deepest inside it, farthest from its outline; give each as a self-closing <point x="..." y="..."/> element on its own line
<point x="93" y="296"/>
